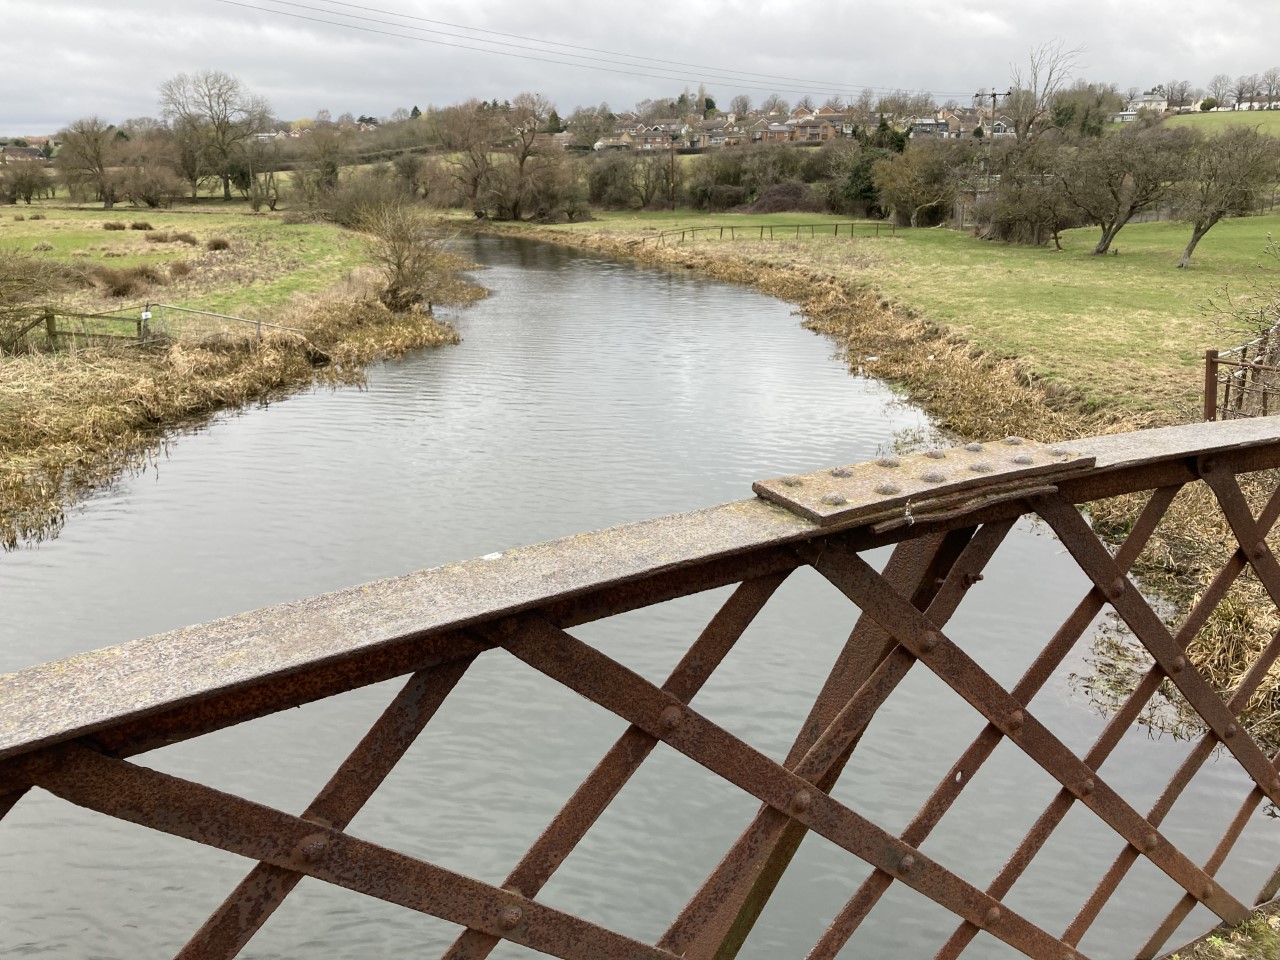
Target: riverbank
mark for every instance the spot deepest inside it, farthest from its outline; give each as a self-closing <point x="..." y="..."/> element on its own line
<point x="976" y="388"/>
<point x="73" y="419"/>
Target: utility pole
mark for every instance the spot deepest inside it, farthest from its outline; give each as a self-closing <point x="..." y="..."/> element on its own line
<point x="991" y="127"/>
<point x="673" y="173"/>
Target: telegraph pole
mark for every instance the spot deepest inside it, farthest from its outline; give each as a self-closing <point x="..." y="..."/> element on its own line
<point x="673" y="173"/>
<point x="991" y="127"/>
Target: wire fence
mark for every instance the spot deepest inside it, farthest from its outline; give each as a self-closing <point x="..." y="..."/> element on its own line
<point x="1244" y="381"/>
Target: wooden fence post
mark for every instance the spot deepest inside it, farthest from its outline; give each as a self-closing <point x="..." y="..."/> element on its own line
<point x="1210" y="385"/>
<point x="51" y="329"/>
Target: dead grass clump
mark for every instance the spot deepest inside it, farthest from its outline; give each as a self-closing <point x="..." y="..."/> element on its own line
<point x="180" y="268"/>
<point x="115" y="225"/>
<point x="44" y="246"/>
<point x="115" y="253"/>
<point x="37" y="216"/>
<point x="219" y="243"/>
<point x="140" y="225"/>
<point x="188" y="238"/>
<point x="19" y="217"/>
<point x="128" y="281"/>
<point x="159" y="236"/>
<point x="81" y="253"/>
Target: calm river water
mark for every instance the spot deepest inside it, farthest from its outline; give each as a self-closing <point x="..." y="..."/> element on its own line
<point x="586" y="393"/>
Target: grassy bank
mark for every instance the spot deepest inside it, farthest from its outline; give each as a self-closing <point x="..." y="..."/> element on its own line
<point x="992" y="340"/>
<point x="71" y="420"/>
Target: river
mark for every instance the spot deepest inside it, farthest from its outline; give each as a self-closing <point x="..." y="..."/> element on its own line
<point x="585" y="393"/>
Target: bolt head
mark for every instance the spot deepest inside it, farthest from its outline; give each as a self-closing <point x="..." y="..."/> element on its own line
<point x="841" y="472"/>
<point x="889" y="462"/>
<point x="1115" y="588"/>
<point x="1258" y="550"/>
<point x="670" y="718"/>
<point x="1150" y="843"/>
<point x="801" y="801"/>
<point x="1086" y="788"/>
<point x="980" y="467"/>
<point x="930" y="641"/>
<point x="906" y="863"/>
<point x="312" y="848"/>
<point x="1207" y="892"/>
<point x="933" y="476"/>
<point x="834" y="500"/>
<point x="1230" y="730"/>
<point x="1178" y="665"/>
<point x="888" y="489"/>
<point x="1013" y="441"/>
<point x="1017" y="719"/>
<point x="992" y="917"/>
<point x="510" y="916"/>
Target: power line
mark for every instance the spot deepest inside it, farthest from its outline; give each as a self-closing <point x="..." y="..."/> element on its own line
<point x="504" y="53"/>
<point x="823" y="85"/>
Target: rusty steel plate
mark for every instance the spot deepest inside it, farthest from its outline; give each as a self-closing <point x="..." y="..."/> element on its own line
<point x="914" y="484"/>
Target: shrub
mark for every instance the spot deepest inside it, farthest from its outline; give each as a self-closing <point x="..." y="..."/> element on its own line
<point x="219" y="243"/>
<point x="42" y="246"/>
<point x="180" y="268"/>
<point x="140" y="225"/>
<point x="128" y="281"/>
<point x="115" y="225"/>
<point x="788" y="197"/>
<point x="188" y="238"/>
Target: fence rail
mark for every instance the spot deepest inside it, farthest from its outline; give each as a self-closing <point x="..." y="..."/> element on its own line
<point x="72" y="726"/>
<point x="780" y="231"/>
<point x="1243" y="381"/>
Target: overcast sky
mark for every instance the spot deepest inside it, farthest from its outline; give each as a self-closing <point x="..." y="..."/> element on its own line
<point x="71" y="58"/>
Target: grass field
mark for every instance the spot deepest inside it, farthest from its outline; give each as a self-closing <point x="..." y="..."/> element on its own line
<point x="267" y="264"/>
<point x="1268" y="120"/>
<point x="1128" y="330"/>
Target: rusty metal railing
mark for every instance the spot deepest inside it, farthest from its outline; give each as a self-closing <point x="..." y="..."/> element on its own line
<point x="1244" y="381"/>
<point x="71" y="727"/>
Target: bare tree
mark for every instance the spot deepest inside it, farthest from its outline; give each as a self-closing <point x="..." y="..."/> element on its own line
<point x="1109" y="179"/>
<point x="1226" y="173"/>
<point x="1220" y="88"/>
<point x="229" y="113"/>
<point x="1270" y="82"/>
<point x="1130" y="95"/>
<point x="805" y="102"/>
<point x="468" y="132"/>
<point x="740" y="105"/>
<point x="774" y="104"/>
<point x="405" y="246"/>
<point x="1178" y="93"/>
<point x="1245" y="89"/>
<point x="528" y="113"/>
<point x="835" y="102"/>
<point x="88" y="158"/>
<point x="1035" y="85"/>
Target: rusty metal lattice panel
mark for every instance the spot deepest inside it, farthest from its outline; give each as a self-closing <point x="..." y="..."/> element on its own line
<point x="70" y="727"/>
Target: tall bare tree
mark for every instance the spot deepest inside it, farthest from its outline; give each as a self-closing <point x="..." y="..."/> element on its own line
<point x="229" y="114"/>
<point x="468" y="132"/>
<point x="1245" y="89"/>
<point x="740" y="105"/>
<point x="1226" y="173"/>
<point x="1270" y="86"/>
<point x="1034" y="86"/>
<point x="774" y="104"/>
<point x="1178" y="93"/>
<point x="1220" y="88"/>
<point x="88" y="157"/>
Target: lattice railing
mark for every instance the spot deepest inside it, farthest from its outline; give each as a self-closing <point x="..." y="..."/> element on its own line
<point x="70" y="727"/>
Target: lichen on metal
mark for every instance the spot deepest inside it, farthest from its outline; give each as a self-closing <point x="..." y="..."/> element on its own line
<point x="897" y="485"/>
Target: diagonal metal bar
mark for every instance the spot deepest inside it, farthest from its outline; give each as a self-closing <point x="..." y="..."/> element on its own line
<point x="196" y="812"/>
<point x="721" y="913"/>
<point x="597" y="791"/>
<point x="10" y="800"/>
<point x="1150" y="630"/>
<point x="1186" y="904"/>
<point x="962" y="772"/>
<point x="1142" y="693"/>
<point x="1250" y="534"/>
<point x="959" y="671"/>
<point x="593" y="675"/>
<point x="258" y="895"/>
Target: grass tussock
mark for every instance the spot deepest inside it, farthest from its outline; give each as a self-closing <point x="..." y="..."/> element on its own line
<point x="128" y="281"/>
<point x="179" y="269"/>
<point x="168" y="236"/>
<point x="218" y="243"/>
<point x="140" y="225"/>
<point x="37" y="216"/>
<point x="19" y="217"/>
<point x="43" y="246"/>
<point x="115" y="225"/>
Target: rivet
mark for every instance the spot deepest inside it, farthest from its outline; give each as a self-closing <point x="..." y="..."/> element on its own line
<point x="670" y="718"/>
<point x="1230" y="730"/>
<point x="1178" y="664"/>
<point x="312" y="848"/>
<point x="1151" y="843"/>
<point x="1022" y="460"/>
<point x="834" y="500"/>
<point x="841" y="472"/>
<point x="973" y="447"/>
<point x="1059" y="452"/>
<point x="936" y="454"/>
<point x="1115" y="588"/>
<point x="1258" y="551"/>
<point x="800" y="802"/>
<point x="1086" y="788"/>
<point x="1207" y="892"/>
<point x="980" y="467"/>
<point x="510" y="917"/>
<point x="933" y="476"/>
<point x="992" y="917"/>
<point x="889" y="462"/>
<point x="888" y="489"/>
<point x="1013" y="441"/>
<point x="791" y="482"/>
<point x="930" y="641"/>
<point x="1017" y="719"/>
<point x="906" y="863"/>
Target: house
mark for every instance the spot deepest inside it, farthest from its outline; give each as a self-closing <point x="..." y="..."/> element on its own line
<point x="815" y="129"/>
<point x="651" y="140"/>
<point x="1003" y="127"/>
<point x="1156" y="102"/>
<point x="618" y="140"/>
<point x="922" y="127"/>
<point x="961" y="122"/>
<point x="25" y="154"/>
